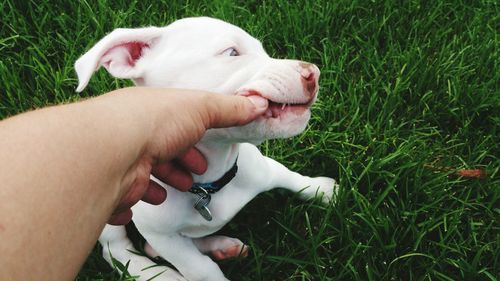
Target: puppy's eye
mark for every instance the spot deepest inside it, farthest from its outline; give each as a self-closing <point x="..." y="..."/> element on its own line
<point x="232" y="52"/>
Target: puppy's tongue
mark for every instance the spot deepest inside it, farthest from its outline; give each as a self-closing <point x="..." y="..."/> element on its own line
<point x="274" y="109"/>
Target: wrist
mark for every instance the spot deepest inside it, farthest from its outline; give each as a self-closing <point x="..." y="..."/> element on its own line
<point x="128" y="117"/>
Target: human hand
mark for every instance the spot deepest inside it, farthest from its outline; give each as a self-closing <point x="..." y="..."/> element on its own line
<point x="176" y="173"/>
<point x="179" y="121"/>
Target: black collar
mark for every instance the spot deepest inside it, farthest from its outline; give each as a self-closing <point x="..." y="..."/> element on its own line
<point x="213" y="187"/>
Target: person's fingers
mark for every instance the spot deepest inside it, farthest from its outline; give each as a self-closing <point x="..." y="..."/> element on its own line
<point x="155" y="194"/>
<point x="173" y="175"/>
<point x="121" y="218"/>
<point x="227" y="111"/>
<point x="193" y="161"/>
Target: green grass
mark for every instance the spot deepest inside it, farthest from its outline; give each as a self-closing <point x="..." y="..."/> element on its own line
<point x="408" y="88"/>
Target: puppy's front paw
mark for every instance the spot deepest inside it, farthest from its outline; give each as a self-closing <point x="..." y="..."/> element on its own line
<point x="323" y="187"/>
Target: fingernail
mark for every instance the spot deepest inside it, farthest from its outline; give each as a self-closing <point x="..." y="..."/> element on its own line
<point x="259" y="102"/>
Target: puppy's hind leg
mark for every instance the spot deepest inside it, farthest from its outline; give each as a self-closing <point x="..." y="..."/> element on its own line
<point x="116" y="245"/>
<point x="221" y="247"/>
<point x="217" y="246"/>
<point x="181" y="252"/>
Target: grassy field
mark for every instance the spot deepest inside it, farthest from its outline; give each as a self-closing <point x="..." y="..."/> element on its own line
<point x="409" y="95"/>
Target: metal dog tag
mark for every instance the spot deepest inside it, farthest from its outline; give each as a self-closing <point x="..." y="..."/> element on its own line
<point x="201" y="205"/>
<point x="205" y="213"/>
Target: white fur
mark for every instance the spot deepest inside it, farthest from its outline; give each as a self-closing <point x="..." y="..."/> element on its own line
<point x="192" y="53"/>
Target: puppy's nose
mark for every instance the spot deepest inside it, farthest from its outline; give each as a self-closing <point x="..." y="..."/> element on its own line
<point x="309" y="74"/>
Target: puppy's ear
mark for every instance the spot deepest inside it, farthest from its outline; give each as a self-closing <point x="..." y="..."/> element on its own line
<point x="118" y="52"/>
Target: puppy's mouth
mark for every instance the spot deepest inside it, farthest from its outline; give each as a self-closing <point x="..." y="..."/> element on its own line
<point x="276" y="109"/>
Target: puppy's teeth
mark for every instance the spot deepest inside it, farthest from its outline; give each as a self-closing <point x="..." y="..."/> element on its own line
<point x="283" y="106"/>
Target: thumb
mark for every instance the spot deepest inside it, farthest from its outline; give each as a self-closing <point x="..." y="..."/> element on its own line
<point x="228" y="111"/>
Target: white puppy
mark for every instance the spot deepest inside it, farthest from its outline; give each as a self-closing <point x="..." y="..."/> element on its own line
<point x="208" y="54"/>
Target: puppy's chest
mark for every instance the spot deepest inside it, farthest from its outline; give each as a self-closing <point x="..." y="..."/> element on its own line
<point x="223" y="206"/>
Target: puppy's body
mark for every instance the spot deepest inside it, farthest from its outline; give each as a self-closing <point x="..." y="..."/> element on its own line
<point x="208" y="54"/>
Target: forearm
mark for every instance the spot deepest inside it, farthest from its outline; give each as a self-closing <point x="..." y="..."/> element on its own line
<point x="63" y="170"/>
<point x="70" y="159"/>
